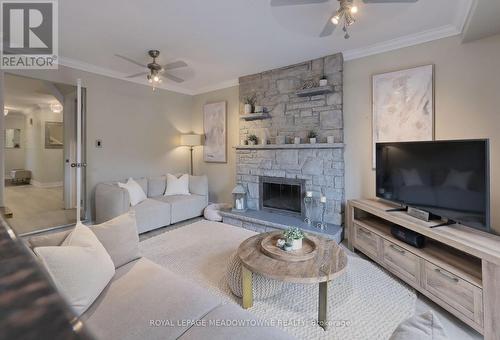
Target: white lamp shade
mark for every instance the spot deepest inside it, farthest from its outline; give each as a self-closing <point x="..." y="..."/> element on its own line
<point x="190" y="140"/>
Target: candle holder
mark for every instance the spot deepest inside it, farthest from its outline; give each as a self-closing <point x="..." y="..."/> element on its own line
<point x="308" y="202"/>
<point x="322" y="225"/>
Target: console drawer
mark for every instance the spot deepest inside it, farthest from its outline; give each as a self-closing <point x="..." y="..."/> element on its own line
<point x="401" y="261"/>
<point x="458" y="293"/>
<point x="367" y="241"/>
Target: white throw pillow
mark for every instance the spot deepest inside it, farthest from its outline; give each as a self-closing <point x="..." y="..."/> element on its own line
<point x="420" y="327"/>
<point x="135" y="191"/>
<point x="458" y="179"/>
<point x="177" y="186"/>
<point x="80" y="268"/>
<point x="411" y="177"/>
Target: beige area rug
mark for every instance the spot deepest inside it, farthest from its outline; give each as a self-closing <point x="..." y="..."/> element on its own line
<point x="364" y="303"/>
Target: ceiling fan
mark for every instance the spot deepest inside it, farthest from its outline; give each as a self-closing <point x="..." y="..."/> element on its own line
<point x="155" y="71"/>
<point x="344" y="15"/>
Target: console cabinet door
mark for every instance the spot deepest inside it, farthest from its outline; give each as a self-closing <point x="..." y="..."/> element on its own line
<point x="402" y="262"/>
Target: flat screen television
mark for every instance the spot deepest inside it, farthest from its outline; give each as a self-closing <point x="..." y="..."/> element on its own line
<point x="449" y="178"/>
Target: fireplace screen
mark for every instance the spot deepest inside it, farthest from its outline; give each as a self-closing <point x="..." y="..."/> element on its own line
<point x="281" y="194"/>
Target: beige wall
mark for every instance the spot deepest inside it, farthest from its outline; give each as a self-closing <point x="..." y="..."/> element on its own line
<point x="467" y="94"/>
<point x="139" y="128"/>
<point x="221" y="175"/>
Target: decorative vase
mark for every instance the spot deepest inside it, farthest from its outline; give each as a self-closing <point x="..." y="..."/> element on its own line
<point x="323" y="82"/>
<point x="263" y="141"/>
<point x="312" y="140"/>
<point x="248" y="108"/>
<point x="296" y="244"/>
<point x="296" y="140"/>
<point x="330" y="139"/>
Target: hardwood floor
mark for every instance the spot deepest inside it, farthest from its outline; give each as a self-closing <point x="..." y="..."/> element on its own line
<point x="36" y="208"/>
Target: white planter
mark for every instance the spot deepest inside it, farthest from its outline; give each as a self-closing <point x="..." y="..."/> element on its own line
<point x="248" y="108"/>
<point x="263" y="141"/>
<point x="312" y="140"/>
<point x="296" y="244"/>
<point x="251" y="142"/>
<point x="323" y="82"/>
<point x="330" y="139"/>
<point x="296" y="140"/>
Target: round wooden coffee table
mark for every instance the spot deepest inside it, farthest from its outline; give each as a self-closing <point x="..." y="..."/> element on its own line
<point x="329" y="262"/>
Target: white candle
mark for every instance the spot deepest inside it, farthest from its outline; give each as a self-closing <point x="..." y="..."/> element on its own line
<point x="323" y="199"/>
<point x="309" y="194"/>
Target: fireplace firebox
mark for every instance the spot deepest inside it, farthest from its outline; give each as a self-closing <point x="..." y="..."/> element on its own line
<point x="281" y="195"/>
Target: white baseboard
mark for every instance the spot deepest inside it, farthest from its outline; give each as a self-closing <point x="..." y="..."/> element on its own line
<point x="46" y="184"/>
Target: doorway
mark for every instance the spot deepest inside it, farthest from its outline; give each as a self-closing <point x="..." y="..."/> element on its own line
<point x="40" y="123"/>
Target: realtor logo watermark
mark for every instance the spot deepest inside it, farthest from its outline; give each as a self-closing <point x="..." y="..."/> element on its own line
<point x="29" y="34"/>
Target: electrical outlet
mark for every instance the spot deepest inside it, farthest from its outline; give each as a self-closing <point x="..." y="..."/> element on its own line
<point x="98" y="143"/>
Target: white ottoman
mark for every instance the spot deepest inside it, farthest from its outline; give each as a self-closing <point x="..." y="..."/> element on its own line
<point x="262" y="287"/>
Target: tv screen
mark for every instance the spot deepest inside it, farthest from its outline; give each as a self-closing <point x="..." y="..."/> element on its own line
<point x="446" y="178"/>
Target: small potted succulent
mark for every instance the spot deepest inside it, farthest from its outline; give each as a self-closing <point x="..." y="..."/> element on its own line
<point x="249" y="104"/>
<point x="294" y="237"/>
<point x="312" y="137"/>
<point x="252" y="140"/>
<point x="323" y="81"/>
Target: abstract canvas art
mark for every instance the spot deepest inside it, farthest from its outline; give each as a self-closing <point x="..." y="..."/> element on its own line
<point x="403" y="106"/>
<point x="214" y="125"/>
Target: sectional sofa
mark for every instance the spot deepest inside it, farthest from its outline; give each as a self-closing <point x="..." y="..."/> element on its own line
<point x="157" y="210"/>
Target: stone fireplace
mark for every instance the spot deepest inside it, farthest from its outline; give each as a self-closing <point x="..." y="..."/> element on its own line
<point x="318" y="167"/>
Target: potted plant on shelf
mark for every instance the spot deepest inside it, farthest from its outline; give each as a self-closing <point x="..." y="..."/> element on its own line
<point x="294" y="236"/>
<point x="323" y="81"/>
<point x="252" y="140"/>
<point x="312" y="137"/>
<point x="249" y="104"/>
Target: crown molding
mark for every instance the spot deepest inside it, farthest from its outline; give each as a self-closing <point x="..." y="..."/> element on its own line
<point x="219" y="86"/>
<point x="82" y="66"/>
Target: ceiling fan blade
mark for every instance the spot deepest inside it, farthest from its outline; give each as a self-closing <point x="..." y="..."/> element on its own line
<point x="175" y="64"/>
<point x="137" y="75"/>
<point x="328" y="29"/>
<point x="130" y="60"/>
<point x="276" y="3"/>
<point x="387" y="1"/>
<point x="174" y="78"/>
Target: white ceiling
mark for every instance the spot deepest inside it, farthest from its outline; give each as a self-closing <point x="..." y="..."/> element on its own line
<point x="224" y="39"/>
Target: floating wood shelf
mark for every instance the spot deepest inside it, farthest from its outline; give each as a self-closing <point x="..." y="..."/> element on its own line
<point x="315" y="91"/>
<point x="291" y="146"/>
<point x="254" y="116"/>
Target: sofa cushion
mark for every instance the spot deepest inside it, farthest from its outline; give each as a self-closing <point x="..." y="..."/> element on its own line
<point x="140" y="297"/>
<point x="157" y="186"/>
<point x="198" y="185"/>
<point x="177" y="186"/>
<point x="151" y="214"/>
<point x="80" y="267"/>
<point x="184" y="206"/>
<point x="212" y="326"/>
<point x="420" y="327"/>
<point x="119" y="237"/>
<point x="135" y="192"/>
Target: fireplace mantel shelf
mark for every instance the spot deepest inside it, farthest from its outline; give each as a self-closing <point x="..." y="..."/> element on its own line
<point x="290" y="146"/>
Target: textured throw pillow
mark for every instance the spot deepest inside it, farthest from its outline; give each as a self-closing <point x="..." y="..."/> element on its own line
<point x="411" y="177"/>
<point x="420" y="327"/>
<point x="177" y="186"/>
<point x="120" y="238"/>
<point x="80" y="268"/>
<point x="135" y="191"/>
<point x="458" y="179"/>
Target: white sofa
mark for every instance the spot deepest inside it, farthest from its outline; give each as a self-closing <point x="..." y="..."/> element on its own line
<point x="157" y="210"/>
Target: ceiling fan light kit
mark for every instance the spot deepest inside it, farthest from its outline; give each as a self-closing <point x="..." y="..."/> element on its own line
<point x="343" y="16"/>
<point x="155" y="72"/>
